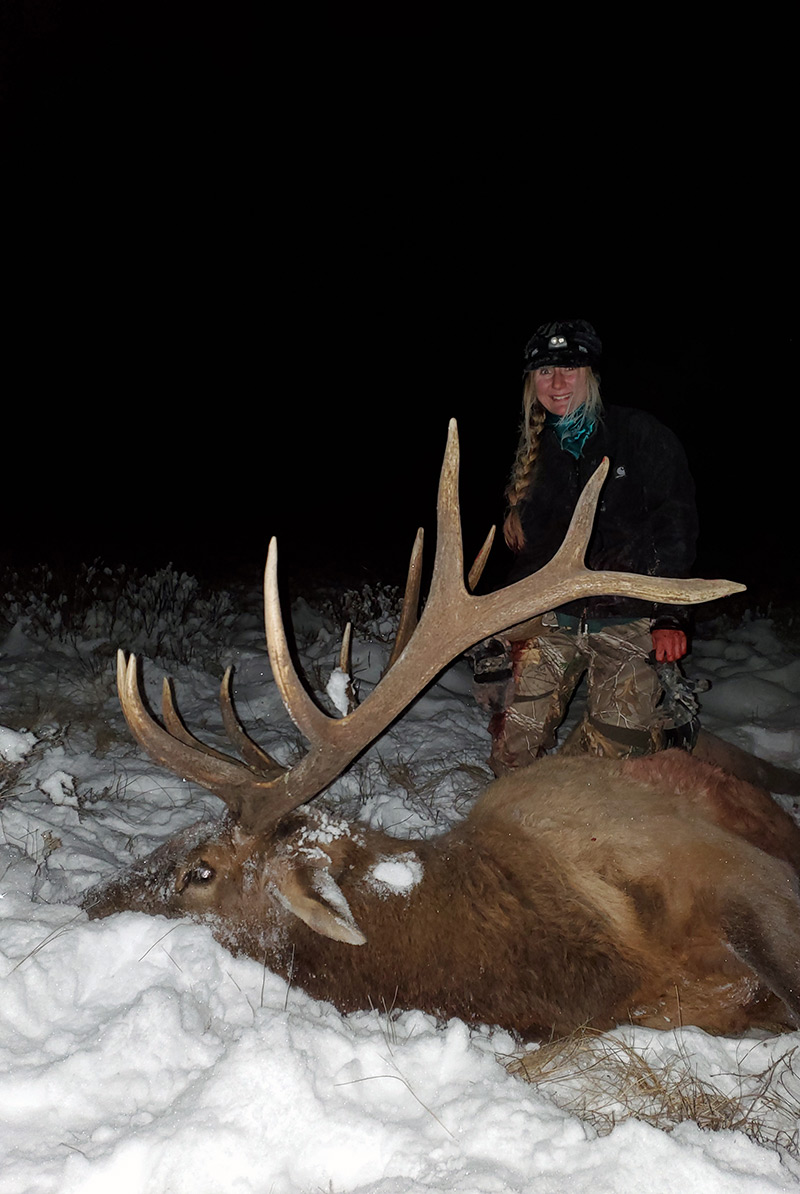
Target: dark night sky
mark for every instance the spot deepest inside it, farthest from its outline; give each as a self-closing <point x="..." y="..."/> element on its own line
<point x="252" y="275"/>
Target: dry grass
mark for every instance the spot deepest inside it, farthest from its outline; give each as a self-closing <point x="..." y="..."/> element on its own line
<point x="439" y="791"/>
<point x="604" y="1080"/>
<point x="9" y="777"/>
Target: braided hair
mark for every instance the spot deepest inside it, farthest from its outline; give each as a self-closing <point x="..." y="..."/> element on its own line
<point x="533" y="421"/>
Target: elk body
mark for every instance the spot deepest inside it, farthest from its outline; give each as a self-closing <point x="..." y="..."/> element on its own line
<point x="659" y="891"/>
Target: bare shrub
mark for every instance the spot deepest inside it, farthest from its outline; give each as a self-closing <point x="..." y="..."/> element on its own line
<point x="165" y="615"/>
<point x="373" y="610"/>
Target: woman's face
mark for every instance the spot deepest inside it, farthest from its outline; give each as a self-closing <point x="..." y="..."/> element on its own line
<point x="560" y="391"/>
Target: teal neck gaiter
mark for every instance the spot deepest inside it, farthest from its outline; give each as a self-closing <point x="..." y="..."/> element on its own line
<point x="572" y="430"/>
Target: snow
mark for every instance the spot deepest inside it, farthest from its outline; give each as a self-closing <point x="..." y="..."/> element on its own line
<point x="337" y="689"/>
<point x="396" y="875"/>
<point x="137" y="1055"/>
<point x="14" y="747"/>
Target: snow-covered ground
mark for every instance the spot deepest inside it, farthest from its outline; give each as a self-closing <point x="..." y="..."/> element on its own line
<point x="138" y="1056"/>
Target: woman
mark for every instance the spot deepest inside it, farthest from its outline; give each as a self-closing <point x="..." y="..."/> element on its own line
<point x="646" y="522"/>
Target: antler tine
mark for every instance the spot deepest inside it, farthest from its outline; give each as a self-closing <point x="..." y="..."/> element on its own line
<point x="409" y="612"/>
<point x="344" y="652"/>
<point x="447" y="586"/>
<point x="576" y="541"/>
<point x="476" y="571"/>
<point x="449" y="534"/>
<point x="346" y="668"/>
<point x="566" y="577"/>
<point x="174" y="723"/>
<point x="184" y="755"/>
<point x="306" y="715"/>
<point x="250" y="751"/>
<point x="448" y="564"/>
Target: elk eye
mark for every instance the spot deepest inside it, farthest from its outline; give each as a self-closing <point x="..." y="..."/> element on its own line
<point x="200" y="873"/>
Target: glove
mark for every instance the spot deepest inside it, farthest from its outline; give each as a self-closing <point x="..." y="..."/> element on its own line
<point x="492" y="674"/>
<point x="669" y="645"/>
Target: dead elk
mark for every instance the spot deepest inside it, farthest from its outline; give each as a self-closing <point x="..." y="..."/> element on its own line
<point x="577" y="892"/>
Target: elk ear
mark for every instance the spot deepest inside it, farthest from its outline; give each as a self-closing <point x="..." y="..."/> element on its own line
<point x="316" y="898"/>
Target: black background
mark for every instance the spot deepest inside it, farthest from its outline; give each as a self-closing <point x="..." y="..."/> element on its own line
<point x="253" y="266"/>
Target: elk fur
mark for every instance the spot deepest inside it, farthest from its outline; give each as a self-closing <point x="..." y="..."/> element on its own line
<point x="579" y="891"/>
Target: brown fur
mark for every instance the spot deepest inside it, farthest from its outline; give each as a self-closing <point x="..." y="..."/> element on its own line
<point x="579" y="891"/>
<point x="729" y="801"/>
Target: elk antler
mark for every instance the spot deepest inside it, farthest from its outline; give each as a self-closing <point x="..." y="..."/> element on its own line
<point x="453" y="620"/>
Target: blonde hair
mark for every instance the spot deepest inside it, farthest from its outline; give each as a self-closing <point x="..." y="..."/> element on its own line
<point x="533" y="419"/>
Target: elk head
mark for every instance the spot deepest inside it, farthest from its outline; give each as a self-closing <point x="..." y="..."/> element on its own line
<point x="275" y="879"/>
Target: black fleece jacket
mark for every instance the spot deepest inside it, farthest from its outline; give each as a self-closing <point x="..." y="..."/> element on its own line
<point x="646" y="520"/>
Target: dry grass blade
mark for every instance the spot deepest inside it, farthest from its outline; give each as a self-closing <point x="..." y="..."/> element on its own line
<point x="48" y="940"/>
<point x="605" y="1080"/>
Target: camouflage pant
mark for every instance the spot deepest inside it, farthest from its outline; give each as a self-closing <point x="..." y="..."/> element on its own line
<point x="623" y="692"/>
